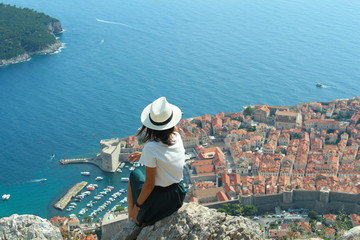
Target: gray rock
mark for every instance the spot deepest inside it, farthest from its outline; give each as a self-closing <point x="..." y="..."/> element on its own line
<point x="27" y="227"/>
<point x="193" y="222"/>
<point x="352" y="234"/>
<point x="55" y="27"/>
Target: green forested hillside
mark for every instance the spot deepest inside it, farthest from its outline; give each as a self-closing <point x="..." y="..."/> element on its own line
<point x="23" y="30"/>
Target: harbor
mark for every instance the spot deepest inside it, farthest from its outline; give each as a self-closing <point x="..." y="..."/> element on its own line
<point x="64" y="201"/>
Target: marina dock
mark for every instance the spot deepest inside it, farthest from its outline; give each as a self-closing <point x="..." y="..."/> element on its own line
<point x="64" y="201"/>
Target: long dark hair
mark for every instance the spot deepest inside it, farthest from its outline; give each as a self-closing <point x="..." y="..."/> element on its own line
<point x="164" y="136"/>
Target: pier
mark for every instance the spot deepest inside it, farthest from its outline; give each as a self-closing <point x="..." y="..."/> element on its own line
<point x="94" y="161"/>
<point x="64" y="201"/>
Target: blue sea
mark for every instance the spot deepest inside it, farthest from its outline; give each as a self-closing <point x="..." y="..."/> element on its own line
<point x="204" y="56"/>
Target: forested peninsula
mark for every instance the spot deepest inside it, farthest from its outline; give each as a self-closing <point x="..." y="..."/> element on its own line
<point x="25" y="32"/>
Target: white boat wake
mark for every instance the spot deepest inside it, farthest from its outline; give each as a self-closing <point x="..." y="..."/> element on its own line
<point x="118" y="23"/>
<point x="38" y="180"/>
<point x="122" y="24"/>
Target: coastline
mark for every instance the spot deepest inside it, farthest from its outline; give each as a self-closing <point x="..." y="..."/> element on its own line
<point x="50" y="49"/>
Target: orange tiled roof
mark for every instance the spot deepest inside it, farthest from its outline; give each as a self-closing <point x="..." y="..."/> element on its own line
<point x="329" y="217"/>
<point x="222" y="196"/>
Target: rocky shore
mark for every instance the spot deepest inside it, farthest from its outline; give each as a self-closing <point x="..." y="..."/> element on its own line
<point x="55" y="28"/>
<point x="28" y="227"/>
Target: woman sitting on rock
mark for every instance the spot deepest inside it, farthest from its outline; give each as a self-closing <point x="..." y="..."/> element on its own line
<point x="160" y="192"/>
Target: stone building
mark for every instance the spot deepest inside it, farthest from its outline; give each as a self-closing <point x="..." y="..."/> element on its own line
<point x="287" y="120"/>
<point x="262" y="114"/>
<point x="109" y="154"/>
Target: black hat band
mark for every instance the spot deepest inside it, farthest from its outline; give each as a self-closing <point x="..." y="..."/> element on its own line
<point x="161" y="123"/>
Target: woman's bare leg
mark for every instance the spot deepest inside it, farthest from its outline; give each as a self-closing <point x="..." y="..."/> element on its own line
<point x="129" y="200"/>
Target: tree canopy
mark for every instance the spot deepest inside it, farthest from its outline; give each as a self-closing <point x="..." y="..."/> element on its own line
<point x="249" y="111"/>
<point x="23" y="30"/>
<point x="238" y="210"/>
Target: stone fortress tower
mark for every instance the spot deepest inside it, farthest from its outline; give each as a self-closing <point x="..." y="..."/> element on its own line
<point x="109" y="154"/>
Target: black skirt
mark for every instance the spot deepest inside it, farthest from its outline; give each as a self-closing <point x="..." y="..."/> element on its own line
<point x="162" y="201"/>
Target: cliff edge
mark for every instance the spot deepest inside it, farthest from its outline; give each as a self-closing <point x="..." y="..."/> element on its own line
<point x="191" y="221"/>
<point x="28" y="227"/>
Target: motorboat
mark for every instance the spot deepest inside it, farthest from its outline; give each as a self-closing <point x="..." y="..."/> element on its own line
<point x="319" y="85"/>
<point x="6" y="197"/>
<point x="85" y="173"/>
<point x="124" y="179"/>
<point x="99" y="178"/>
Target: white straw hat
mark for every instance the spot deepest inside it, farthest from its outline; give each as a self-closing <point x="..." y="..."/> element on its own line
<point x="160" y="115"/>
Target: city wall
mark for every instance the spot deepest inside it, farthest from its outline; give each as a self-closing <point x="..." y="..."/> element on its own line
<point x="320" y="201"/>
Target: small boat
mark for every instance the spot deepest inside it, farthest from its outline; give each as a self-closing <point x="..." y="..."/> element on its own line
<point x="122" y="190"/>
<point x="124" y="179"/>
<point x="319" y="85"/>
<point x="90" y="187"/>
<point x="119" y="170"/>
<point x="85" y="173"/>
<point x="72" y="203"/>
<point x="110" y="187"/>
<point x="99" y="178"/>
<point x="97" y="197"/>
<point x="132" y="168"/>
<point x="122" y="165"/>
<point x="5" y="197"/>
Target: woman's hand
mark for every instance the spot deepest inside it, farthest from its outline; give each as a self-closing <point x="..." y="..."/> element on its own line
<point x="134" y="156"/>
<point x="135" y="213"/>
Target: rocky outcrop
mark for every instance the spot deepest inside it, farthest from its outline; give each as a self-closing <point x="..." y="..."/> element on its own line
<point x="352" y="234"/>
<point x="52" y="48"/>
<point x="27" y="227"/>
<point x="55" y="27"/>
<point x="191" y="221"/>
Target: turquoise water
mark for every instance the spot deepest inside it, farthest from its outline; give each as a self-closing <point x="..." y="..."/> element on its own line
<point x="204" y="56"/>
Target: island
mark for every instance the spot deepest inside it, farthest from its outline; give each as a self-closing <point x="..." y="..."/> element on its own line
<point x="25" y="32"/>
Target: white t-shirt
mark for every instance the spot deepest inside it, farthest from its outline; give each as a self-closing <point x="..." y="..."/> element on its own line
<point x="168" y="160"/>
